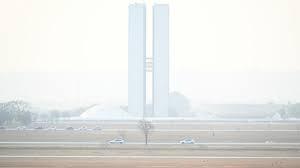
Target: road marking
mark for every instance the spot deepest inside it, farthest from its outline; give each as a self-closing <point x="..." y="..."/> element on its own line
<point x="162" y="143"/>
<point x="209" y="130"/>
<point x="154" y="157"/>
<point x="169" y="130"/>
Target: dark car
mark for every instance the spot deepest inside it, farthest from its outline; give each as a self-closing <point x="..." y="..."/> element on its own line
<point x="39" y="128"/>
<point x="69" y="128"/>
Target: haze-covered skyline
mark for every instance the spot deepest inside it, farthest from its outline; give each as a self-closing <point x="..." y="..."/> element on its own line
<point x="76" y="51"/>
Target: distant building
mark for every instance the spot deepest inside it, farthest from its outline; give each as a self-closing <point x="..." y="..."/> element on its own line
<point x="136" y="59"/>
<point x="160" y="60"/>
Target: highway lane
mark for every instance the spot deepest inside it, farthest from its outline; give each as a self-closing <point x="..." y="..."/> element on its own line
<point x="157" y="136"/>
<point x="151" y="143"/>
<point x="153" y="157"/>
<point x="142" y="146"/>
<point x="161" y="130"/>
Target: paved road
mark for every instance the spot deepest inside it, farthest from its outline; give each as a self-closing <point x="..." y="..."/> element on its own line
<point x="167" y="130"/>
<point x="151" y="143"/>
<point x="155" y="157"/>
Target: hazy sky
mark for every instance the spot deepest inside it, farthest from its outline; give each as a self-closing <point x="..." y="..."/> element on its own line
<point x="220" y="50"/>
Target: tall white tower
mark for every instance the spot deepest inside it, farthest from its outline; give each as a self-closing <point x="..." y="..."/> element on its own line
<point x="136" y="59"/>
<point x="160" y="60"/>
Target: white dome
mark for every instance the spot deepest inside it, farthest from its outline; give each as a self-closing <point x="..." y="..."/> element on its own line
<point x="276" y="117"/>
<point x="100" y="112"/>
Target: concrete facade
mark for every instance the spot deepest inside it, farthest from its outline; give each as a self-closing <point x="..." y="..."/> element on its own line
<point x="136" y="59"/>
<point x="160" y="60"/>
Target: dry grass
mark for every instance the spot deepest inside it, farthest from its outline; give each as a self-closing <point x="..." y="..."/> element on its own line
<point x="139" y="150"/>
<point x="146" y="163"/>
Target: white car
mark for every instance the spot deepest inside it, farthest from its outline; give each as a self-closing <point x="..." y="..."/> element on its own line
<point x="117" y="141"/>
<point x="83" y="128"/>
<point x="21" y="128"/>
<point x="97" y="128"/>
<point x="52" y="128"/>
<point x="187" y="141"/>
<point x="268" y="142"/>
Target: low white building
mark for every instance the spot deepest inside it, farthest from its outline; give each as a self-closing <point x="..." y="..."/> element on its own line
<point x="105" y="112"/>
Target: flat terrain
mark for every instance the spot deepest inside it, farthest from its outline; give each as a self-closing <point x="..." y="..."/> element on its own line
<point x="156" y="136"/>
<point x="164" y="132"/>
<point x="218" y="144"/>
<point x="148" y="163"/>
<point x="150" y="151"/>
<point x="184" y="124"/>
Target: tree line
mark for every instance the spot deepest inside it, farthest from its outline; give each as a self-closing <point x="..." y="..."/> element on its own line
<point x="17" y="111"/>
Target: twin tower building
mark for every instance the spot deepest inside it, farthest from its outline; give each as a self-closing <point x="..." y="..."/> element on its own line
<point x="139" y="64"/>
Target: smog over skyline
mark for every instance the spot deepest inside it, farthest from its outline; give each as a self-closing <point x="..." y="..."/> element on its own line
<point x="150" y="83"/>
<point x="70" y="52"/>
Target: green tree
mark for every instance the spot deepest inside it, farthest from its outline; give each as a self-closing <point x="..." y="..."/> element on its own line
<point x="15" y="111"/>
<point x="22" y="112"/>
<point x="4" y="114"/>
<point x="179" y="105"/>
<point x="54" y="115"/>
